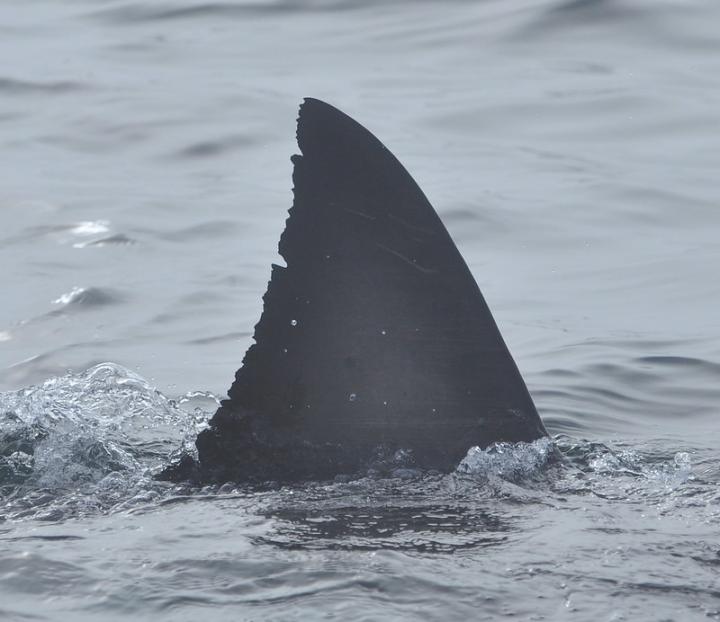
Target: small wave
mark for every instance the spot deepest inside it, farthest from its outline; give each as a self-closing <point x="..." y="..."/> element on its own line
<point x="601" y="7"/>
<point x="12" y="86"/>
<point x="118" y="239"/>
<point x="621" y="396"/>
<point x="64" y="233"/>
<point x="650" y="475"/>
<point x="583" y="12"/>
<point x="134" y="13"/>
<point x="638" y="473"/>
<point x="212" y="148"/>
<point x="83" y="297"/>
<point x="650" y="463"/>
<point x="203" y="231"/>
<point x="89" y="441"/>
<point x="221" y="338"/>
<point x="682" y="363"/>
<point x="401" y="525"/>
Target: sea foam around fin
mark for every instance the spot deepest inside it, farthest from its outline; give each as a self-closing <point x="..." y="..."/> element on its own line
<point x="91" y="442"/>
<point x="509" y="461"/>
<point x="89" y="439"/>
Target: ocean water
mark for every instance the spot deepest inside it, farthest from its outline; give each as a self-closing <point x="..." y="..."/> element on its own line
<point x="572" y="150"/>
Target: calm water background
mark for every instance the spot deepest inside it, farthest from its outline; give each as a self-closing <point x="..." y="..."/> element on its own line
<point x="572" y="150"/>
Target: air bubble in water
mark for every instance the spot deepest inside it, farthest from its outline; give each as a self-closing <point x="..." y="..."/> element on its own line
<point x="352" y="397"/>
<point x="293" y="322"/>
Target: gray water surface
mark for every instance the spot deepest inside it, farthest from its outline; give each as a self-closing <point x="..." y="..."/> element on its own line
<point x="572" y="150"/>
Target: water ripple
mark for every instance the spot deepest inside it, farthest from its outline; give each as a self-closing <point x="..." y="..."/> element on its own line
<point x="88" y="298"/>
<point x="213" y="148"/>
<point x="12" y="86"/>
<point x="132" y="13"/>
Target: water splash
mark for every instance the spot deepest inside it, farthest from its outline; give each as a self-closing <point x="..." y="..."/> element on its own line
<point x="657" y="480"/>
<point x="97" y="436"/>
<point x="512" y="462"/>
<point x="91" y="442"/>
<point x="646" y="462"/>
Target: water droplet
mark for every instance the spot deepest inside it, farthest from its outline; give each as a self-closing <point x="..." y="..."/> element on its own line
<point x="352" y="397"/>
<point x="434" y="410"/>
<point x="383" y="332"/>
<point x="384" y="403"/>
<point x="285" y="350"/>
<point x="293" y="322"/>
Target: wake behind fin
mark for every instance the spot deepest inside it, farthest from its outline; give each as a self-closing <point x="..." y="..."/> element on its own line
<point x="374" y="335"/>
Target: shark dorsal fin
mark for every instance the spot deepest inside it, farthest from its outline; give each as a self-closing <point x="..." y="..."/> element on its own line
<point x="374" y="334"/>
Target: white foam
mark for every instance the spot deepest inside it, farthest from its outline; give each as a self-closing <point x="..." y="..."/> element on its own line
<point x="509" y="461"/>
<point x="70" y="296"/>
<point x="91" y="227"/>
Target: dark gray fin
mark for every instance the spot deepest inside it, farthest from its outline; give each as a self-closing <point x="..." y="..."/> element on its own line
<point x="374" y="335"/>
